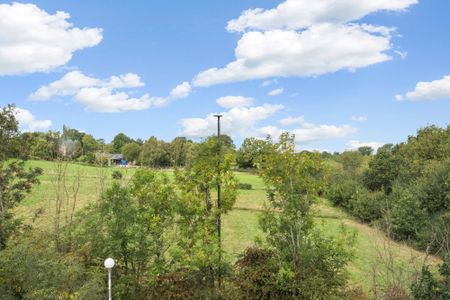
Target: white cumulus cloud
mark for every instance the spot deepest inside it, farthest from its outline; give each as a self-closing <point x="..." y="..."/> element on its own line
<point x="28" y="122"/>
<point x="240" y="121"/>
<point x="307" y="132"/>
<point x="269" y="82"/>
<point x="427" y="91"/>
<point x="235" y="101"/>
<point x="302" y="38"/>
<point x="180" y="91"/>
<point x="32" y="40"/>
<point x="276" y="92"/>
<point x="102" y="95"/>
<point x="322" y="132"/>
<point x="298" y="14"/>
<point x="320" y="49"/>
<point x="296" y="121"/>
<point x="355" y="144"/>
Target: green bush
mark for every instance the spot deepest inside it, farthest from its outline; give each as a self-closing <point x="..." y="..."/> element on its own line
<point x="433" y="188"/>
<point x="407" y="216"/>
<point x="31" y="268"/>
<point x="435" y="233"/>
<point x="367" y="206"/>
<point x="116" y="175"/>
<point x="429" y="286"/>
<point x="256" y="275"/>
<point x="342" y="191"/>
<point x="245" y="186"/>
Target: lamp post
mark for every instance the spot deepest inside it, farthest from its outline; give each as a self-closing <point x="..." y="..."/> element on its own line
<point x="109" y="264"/>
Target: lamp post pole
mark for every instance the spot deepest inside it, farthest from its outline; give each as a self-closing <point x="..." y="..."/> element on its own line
<point x="109" y="264"/>
<point x="218" y="196"/>
<point x="109" y="285"/>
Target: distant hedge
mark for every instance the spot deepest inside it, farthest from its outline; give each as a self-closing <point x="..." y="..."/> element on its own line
<point x="245" y="186"/>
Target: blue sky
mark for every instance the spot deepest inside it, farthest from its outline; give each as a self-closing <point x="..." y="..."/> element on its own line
<point x="342" y="73"/>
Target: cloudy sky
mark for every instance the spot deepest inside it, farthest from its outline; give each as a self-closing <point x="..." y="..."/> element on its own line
<point x="337" y="73"/>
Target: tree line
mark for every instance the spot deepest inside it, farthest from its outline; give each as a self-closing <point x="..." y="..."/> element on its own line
<point x="162" y="231"/>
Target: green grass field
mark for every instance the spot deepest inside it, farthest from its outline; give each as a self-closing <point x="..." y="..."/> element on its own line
<point x="240" y="226"/>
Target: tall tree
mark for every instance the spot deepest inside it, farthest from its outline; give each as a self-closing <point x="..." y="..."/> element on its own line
<point x="15" y="180"/>
<point x="119" y="141"/>
<point x="8" y="131"/>
<point x="250" y="151"/>
<point x="311" y="266"/>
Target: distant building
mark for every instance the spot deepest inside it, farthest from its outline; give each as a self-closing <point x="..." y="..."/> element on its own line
<point x="116" y="160"/>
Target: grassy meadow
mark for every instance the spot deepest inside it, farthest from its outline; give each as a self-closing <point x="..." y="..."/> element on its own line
<point x="240" y="226"/>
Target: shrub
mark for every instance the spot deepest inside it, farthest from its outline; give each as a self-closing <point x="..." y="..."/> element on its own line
<point x="434" y="187"/>
<point x="245" y="186"/>
<point x="116" y="175"/>
<point x="342" y="191"/>
<point x="436" y="233"/>
<point x="407" y="216"/>
<point x="367" y="206"/>
<point x="256" y="275"/>
<point x="428" y="286"/>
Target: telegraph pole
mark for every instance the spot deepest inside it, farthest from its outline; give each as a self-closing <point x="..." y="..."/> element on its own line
<point x="218" y="196"/>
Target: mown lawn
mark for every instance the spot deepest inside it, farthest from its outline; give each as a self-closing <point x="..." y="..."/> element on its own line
<point x="240" y="226"/>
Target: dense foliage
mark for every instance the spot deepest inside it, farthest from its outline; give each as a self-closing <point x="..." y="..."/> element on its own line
<point x="405" y="188"/>
<point x="301" y="262"/>
<point x="164" y="232"/>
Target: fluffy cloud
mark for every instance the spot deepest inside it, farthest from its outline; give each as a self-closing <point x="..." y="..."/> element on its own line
<point x="296" y="121"/>
<point x="320" y="49"/>
<point x="102" y="99"/>
<point x="298" y="14"/>
<point x="180" y="91"/>
<point x="101" y="95"/>
<point x="355" y="144"/>
<point x="434" y="90"/>
<point x="71" y="83"/>
<point x="239" y="121"/>
<point x="242" y="122"/>
<point x="305" y="38"/>
<point x="276" y="92"/>
<point x="32" y="40"/>
<point x="27" y="121"/>
<point x="359" y="118"/>
<point x="234" y="101"/>
<point x="322" y="132"/>
<point x="269" y="82"/>
<point x="308" y="132"/>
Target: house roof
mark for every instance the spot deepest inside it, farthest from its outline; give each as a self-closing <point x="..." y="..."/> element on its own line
<point x="116" y="156"/>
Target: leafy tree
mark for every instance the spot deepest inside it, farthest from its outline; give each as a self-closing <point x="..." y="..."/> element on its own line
<point x="154" y="153"/>
<point x="383" y="170"/>
<point x="433" y="187"/>
<point x="429" y="286"/>
<point x="135" y="226"/>
<point x="90" y="144"/>
<point x="15" y="182"/>
<point x="365" y="150"/>
<point x="31" y="268"/>
<point x="119" y="141"/>
<point x="199" y="212"/>
<point x="351" y="161"/>
<point x="8" y="131"/>
<point x="249" y="153"/>
<point x="311" y="265"/>
<point x="131" y="151"/>
<point x="179" y="148"/>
